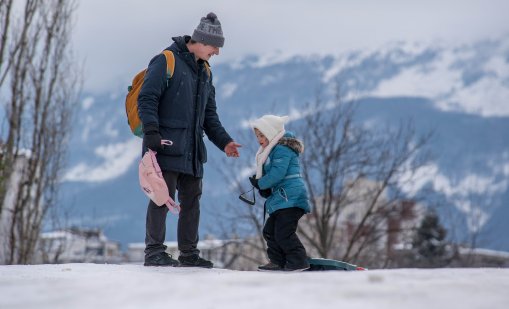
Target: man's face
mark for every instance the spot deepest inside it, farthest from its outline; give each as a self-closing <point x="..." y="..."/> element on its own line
<point x="205" y="52"/>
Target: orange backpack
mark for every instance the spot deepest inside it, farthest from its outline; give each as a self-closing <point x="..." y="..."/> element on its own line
<point x="131" y="100"/>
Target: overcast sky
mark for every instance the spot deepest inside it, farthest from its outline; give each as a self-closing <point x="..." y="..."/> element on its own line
<point x="117" y="38"/>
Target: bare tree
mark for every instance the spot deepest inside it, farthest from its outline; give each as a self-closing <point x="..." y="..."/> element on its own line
<point x="5" y="22"/>
<point x="242" y="222"/>
<point x="349" y="170"/>
<point x="44" y="84"/>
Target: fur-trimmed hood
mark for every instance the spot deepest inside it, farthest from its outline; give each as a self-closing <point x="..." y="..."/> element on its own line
<point x="292" y="142"/>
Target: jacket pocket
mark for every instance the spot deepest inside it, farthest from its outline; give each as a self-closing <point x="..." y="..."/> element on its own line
<point x="290" y="194"/>
<point x="175" y="131"/>
<point x="202" y="151"/>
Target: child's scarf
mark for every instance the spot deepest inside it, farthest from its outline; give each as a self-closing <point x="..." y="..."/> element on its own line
<point x="263" y="153"/>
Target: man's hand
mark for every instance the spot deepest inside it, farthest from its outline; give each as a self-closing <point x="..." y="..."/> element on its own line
<point x="231" y="149"/>
<point x="153" y="140"/>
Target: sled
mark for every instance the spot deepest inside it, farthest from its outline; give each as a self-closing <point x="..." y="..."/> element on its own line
<point x="328" y="264"/>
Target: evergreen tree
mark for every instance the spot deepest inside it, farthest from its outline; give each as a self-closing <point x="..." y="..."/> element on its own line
<point x="429" y="243"/>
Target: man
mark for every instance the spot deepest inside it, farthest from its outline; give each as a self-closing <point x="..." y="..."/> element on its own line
<point x="182" y="109"/>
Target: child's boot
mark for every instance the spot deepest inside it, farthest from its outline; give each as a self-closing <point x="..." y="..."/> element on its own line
<point x="270" y="267"/>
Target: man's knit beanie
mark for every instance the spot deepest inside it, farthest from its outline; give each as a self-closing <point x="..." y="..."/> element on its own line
<point x="209" y="31"/>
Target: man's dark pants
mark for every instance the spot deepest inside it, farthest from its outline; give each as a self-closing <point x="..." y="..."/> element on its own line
<point x="283" y="245"/>
<point x="189" y="193"/>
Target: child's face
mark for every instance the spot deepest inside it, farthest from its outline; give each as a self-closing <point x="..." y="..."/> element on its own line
<point x="261" y="138"/>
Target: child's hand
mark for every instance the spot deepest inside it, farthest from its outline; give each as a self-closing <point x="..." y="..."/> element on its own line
<point x="254" y="182"/>
<point x="265" y="193"/>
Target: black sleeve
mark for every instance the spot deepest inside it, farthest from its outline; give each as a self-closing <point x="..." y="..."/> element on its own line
<point x="153" y="87"/>
<point x="213" y="127"/>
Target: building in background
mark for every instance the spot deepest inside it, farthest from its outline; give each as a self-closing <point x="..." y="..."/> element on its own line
<point x="231" y="253"/>
<point x="78" y="245"/>
<point x="367" y="214"/>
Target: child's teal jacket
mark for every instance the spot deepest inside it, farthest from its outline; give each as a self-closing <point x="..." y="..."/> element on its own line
<point x="282" y="173"/>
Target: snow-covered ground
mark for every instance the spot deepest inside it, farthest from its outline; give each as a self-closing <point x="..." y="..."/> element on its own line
<point x="135" y="286"/>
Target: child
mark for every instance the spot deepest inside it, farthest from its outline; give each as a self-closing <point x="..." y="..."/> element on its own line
<point x="278" y="177"/>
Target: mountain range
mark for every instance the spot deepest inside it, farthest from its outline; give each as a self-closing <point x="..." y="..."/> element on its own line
<point x="459" y="92"/>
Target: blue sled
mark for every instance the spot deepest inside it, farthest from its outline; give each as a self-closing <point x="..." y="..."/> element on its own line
<point x="327" y="264"/>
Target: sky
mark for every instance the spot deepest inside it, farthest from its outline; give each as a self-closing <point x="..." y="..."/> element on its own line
<point x="135" y="286"/>
<point x="115" y="39"/>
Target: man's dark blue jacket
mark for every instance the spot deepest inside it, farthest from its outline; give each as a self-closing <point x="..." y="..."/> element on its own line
<point x="183" y="109"/>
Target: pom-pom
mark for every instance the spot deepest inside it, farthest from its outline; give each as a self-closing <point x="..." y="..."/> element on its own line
<point x="211" y="16"/>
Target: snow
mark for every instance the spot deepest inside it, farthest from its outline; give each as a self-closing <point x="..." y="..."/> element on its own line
<point x="434" y="80"/>
<point x="442" y="81"/>
<point x="228" y="89"/>
<point x="461" y="190"/>
<point x="135" y="286"/>
<point x="117" y="159"/>
<point x="486" y="252"/>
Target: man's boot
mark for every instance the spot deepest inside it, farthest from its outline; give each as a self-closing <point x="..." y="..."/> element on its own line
<point x="194" y="260"/>
<point x="160" y="259"/>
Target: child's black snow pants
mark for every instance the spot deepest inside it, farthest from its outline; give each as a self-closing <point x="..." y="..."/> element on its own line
<point x="283" y="245"/>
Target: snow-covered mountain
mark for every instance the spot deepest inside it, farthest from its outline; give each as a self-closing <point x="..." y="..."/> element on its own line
<point x="461" y="92"/>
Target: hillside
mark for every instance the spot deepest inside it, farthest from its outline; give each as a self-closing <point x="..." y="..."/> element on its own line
<point x="135" y="286"/>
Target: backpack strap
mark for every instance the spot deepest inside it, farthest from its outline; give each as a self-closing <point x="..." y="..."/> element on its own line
<point x="207" y="67"/>
<point x="170" y="62"/>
